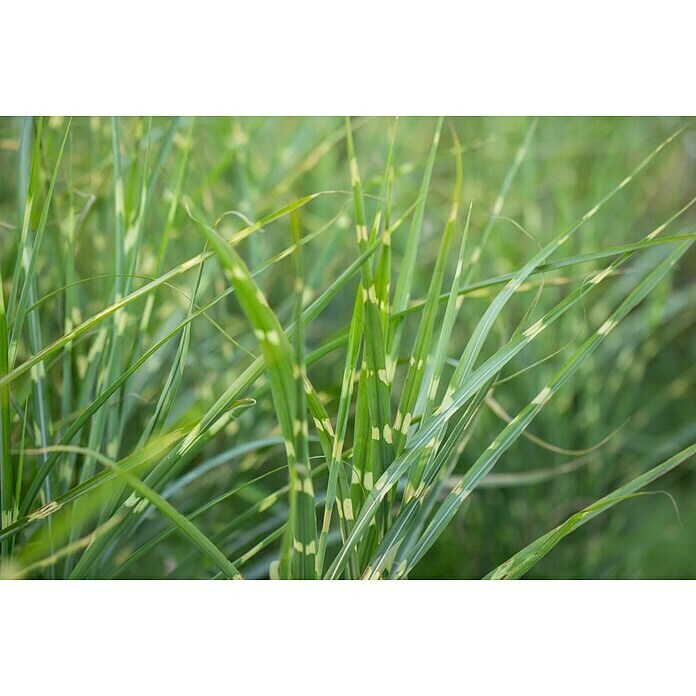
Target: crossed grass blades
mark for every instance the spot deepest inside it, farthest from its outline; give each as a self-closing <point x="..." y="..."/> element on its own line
<point x="193" y="391"/>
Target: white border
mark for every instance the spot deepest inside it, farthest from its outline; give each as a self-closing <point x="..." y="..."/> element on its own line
<point x="328" y="58"/>
<point x="347" y="637"/>
<point x="367" y="57"/>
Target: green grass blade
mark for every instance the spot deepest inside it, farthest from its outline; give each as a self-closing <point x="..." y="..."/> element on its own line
<point x="286" y="379"/>
<point x="513" y="430"/>
<point x="432" y="426"/>
<point x="427" y="358"/>
<point x="377" y="380"/>
<point x="402" y="292"/>
<point x="479" y="248"/>
<point x="133" y="461"/>
<point x="523" y="561"/>
<point x="182" y="523"/>
<point x="148" y="288"/>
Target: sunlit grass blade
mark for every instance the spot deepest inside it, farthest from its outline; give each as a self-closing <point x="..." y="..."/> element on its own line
<point x="133" y="461"/>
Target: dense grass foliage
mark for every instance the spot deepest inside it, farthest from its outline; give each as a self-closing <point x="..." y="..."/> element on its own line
<point x="361" y="348"/>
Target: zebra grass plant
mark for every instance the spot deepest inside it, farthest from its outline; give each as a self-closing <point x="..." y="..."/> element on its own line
<point x="253" y="389"/>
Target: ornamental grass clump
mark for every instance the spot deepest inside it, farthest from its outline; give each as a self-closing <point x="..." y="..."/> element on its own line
<point x="238" y="348"/>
